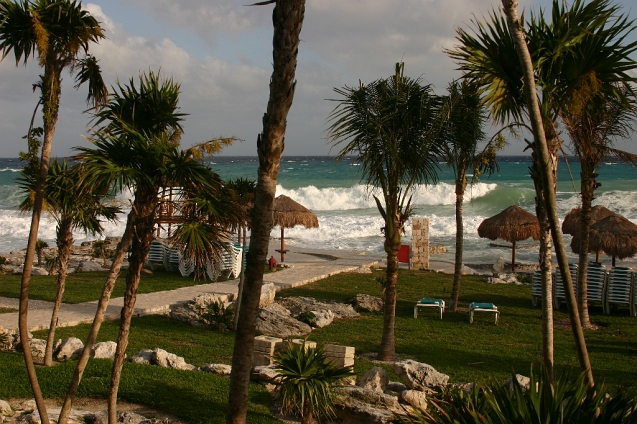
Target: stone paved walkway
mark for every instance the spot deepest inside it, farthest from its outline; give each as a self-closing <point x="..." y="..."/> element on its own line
<point x="305" y="266"/>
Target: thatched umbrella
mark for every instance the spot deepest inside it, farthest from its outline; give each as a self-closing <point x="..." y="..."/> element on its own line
<point x="616" y="236"/>
<point x="512" y="224"/>
<point x="572" y="225"/>
<point x="287" y="214"/>
<point x="572" y="220"/>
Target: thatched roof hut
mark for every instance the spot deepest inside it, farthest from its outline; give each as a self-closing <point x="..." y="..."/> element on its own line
<point x="616" y="236"/>
<point x="288" y="214"/>
<point x="512" y="224"/>
<point x="572" y="220"/>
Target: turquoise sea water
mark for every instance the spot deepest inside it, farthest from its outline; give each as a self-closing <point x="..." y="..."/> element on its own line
<point x="347" y="213"/>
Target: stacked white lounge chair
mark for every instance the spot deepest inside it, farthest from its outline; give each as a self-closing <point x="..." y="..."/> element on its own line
<point x="559" y="294"/>
<point x="619" y="289"/>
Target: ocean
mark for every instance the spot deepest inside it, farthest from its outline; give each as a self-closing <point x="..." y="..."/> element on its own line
<point x="348" y="218"/>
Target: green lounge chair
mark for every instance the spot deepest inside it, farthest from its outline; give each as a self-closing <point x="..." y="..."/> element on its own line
<point x="483" y="307"/>
<point x="428" y="302"/>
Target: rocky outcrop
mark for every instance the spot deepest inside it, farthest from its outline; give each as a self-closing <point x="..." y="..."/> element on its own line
<point x="366" y="303"/>
<point x="161" y="358"/>
<point x="504" y="279"/>
<point x="219" y="369"/>
<point x="104" y="350"/>
<point x="418" y="376"/>
<point x="322" y="318"/>
<point x="268" y="293"/>
<point x="375" y="379"/>
<point x="277" y="325"/>
<point x="89" y="266"/>
<point x="298" y="305"/>
<point x="70" y="348"/>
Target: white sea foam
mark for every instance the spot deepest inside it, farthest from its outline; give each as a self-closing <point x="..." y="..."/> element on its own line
<point x="360" y="197"/>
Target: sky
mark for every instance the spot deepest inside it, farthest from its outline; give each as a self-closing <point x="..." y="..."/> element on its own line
<point x="220" y="51"/>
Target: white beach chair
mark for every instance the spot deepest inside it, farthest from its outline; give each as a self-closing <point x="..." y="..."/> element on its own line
<point x="619" y="288"/>
<point x="156" y="254"/>
<point x="428" y="302"/>
<point x="536" y="287"/>
<point x="596" y="283"/>
<point x="559" y="294"/>
<point x="483" y="307"/>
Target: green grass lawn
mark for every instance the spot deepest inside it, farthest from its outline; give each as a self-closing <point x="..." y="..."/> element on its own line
<point x="7" y="310"/>
<point x="87" y="286"/>
<point x="466" y="352"/>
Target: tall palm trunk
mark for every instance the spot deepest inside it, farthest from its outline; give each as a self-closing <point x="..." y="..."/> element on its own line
<point x="461" y="185"/>
<point x="64" y="243"/>
<point x="144" y="206"/>
<point x="102" y="305"/>
<point x="387" y="351"/>
<point x="51" y="104"/>
<point x="546" y="266"/>
<point x="587" y="186"/>
<point x="287" y="20"/>
<point x="515" y="27"/>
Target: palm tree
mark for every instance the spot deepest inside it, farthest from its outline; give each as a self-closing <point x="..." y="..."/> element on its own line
<point x="287" y="19"/>
<point x="515" y="26"/>
<point x="72" y="208"/>
<point x="58" y="31"/>
<point x="138" y="147"/>
<point x="591" y="81"/>
<point x="391" y="126"/>
<point x="462" y="136"/>
<point x="40" y="245"/>
<point x="242" y="189"/>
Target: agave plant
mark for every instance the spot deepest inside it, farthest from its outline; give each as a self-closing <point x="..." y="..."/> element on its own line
<point x="566" y="401"/>
<point x="306" y="379"/>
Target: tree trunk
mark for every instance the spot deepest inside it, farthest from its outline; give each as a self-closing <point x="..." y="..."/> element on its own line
<point x="461" y="184"/>
<point x="546" y="266"/>
<point x="102" y="305"/>
<point x="515" y="27"/>
<point x="587" y="186"/>
<point x="387" y="351"/>
<point x="287" y="20"/>
<point x="51" y="105"/>
<point x="64" y="243"/>
<point x="145" y="206"/>
<point x="242" y="278"/>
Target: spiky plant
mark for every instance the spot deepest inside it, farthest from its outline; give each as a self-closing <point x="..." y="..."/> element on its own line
<point x="306" y="379"/>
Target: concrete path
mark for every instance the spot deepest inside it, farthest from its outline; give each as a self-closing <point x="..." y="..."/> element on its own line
<point x="305" y="266"/>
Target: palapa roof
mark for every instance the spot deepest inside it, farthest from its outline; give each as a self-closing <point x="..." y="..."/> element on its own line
<point x="572" y="220"/>
<point x="615" y="236"/>
<point x="512" y="224"/>
<point x="288" y="213"/>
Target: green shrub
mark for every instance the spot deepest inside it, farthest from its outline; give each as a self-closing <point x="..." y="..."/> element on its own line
<point x="566" y="401"/>
<point x="218" y="316"/>
<point x="3" y="260"/>
<point x="306" y="317"/>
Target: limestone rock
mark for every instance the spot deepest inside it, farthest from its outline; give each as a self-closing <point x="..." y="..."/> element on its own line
<point x="523" y="381"/>
<point x="415" y="398"/>
<point x="277" y="325"/>
<point x="220" y="369"/>
<point x="353" y="411"/>
<point x="170" y="360"/>
<point x="498" y="267"/>
<point x="395" y="387"/>
<point x="275" y="307"/>
<point x="418" y="376"/>
<point x="142" y="357"/>
<point x="70" y="348"/>
<point x="362" y="405"/>
<point x="298" y="305"/>
<point x="104" y="350"/>
<point x="126" y="417"/>
<point x="39" y="271"/>
<point x="203" y="301"/>
<point x="265" y="373"/>
<point x="268" y="292"/>
<point x="89" y="266"/>
<point x="375" y="379"/>
<point x="365" y="302"/>
<point x="322" y="318"/>
<point x="38" y="347"/>
<point x="5" y="408"/>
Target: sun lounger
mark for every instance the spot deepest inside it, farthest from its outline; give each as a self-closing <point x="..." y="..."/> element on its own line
<point x="536" y="287"/>
<point x="619" y="288"/>
<point x="596" y="282"/>
<point x="483" y="307"/>
<point x="428" y="302"/>
<point x="559" y="293"/>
